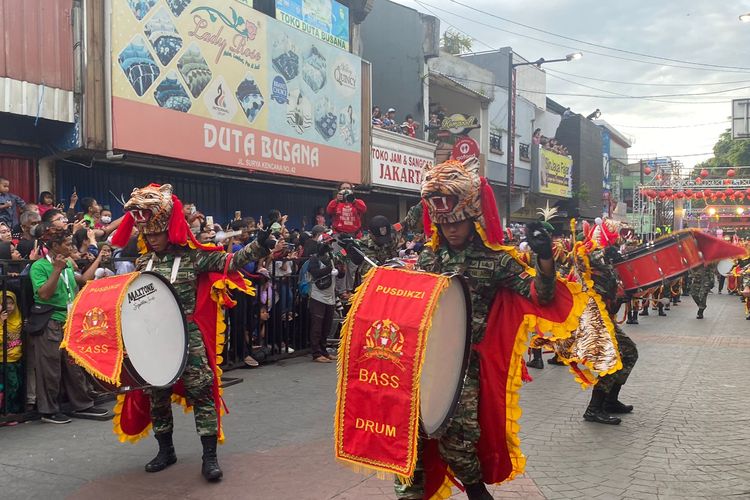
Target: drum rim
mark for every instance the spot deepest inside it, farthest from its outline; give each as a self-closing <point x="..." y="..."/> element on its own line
<point x="464" y="363"/>
<point x="137" y="376"/>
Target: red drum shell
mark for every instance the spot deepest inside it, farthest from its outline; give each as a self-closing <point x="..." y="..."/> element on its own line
<point x="653" y="264"/>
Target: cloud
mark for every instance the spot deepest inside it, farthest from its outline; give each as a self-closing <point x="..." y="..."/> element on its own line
<point x="690" y="30"/>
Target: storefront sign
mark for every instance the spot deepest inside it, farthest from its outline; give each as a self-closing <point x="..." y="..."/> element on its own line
<point x="465" y="148"/>
<point x="220" y="83"/>
<point x="326" y="20"/>
<point x="555" y="173"/>
<point x="459" y="124"/>
<point x="398" y="161"/>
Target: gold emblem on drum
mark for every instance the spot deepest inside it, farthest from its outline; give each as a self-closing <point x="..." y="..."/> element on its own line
<point x="94" y="323"/>
<point x="384" y="340"/>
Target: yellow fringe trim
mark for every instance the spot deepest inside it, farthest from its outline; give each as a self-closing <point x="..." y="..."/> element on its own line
<point x="117" y="429"/>
<point x="381" y="469"/>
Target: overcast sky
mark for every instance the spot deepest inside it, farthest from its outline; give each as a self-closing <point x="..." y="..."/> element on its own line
<point x="694" y="31"/>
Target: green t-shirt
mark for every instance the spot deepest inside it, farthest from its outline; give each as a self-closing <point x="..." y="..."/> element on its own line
<point x="66" y="290"/>
<point x="89" y="221"/>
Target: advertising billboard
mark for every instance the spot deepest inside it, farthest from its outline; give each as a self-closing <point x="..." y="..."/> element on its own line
<point x="326" y="20"/>
<point x="214" y="81"/>
<point x="555" y="173"/>
<point x="398" y="161"/>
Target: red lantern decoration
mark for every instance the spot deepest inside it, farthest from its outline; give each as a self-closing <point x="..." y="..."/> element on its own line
<point x="723" y="196"/>
<point x="658" y="177"/>
<point x="679" y="195"/>
<point x="647" y="170"/>
<point x="669" y="192"/>
<point x="688" y="193"/>
<point x="662" y="195"/>
<point x="729" y="191"/>
<point x="739" y="195"/>
<point x="698" y="195"/>
<point x="704" y="173"/>
<point x="698" y="180"/>
<point x="708" y="193"/>
<point x="727" y="182"/>
<point x="730" y="173"/>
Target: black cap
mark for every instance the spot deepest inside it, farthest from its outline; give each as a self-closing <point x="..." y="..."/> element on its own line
<point x="380" y="229"/>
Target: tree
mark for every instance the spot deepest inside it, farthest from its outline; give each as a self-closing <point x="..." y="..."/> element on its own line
<point x="455" y="43"/>
<point x="728" y="153"/>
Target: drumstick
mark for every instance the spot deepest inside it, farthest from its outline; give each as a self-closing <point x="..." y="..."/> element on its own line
<point x="361" y="253"/>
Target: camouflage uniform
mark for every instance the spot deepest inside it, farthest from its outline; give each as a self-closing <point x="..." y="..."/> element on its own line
<point x="485" y="271"/>
<point x="377" y="253"/>
<point x="605" y="284"/>
<point x="413" y="222"/>
<point x="702" y="280"/>
<point x="198" y="376"/>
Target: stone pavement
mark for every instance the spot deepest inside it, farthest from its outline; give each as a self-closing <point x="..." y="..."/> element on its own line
<point x="689" y="436"/>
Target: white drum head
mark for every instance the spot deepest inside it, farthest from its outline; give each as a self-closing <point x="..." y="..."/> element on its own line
<point x="443" y="368"/>
<point x="153" y="330"/>
<point x="725" y="267"/>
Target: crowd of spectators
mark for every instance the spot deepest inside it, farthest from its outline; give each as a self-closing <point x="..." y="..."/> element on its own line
<point x="549" y="143"/>
<point x="388" y="121"/>
<point x="303" y="286"/>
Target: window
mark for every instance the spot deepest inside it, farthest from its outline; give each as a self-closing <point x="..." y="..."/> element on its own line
<point x="523" y="152"/>
<point x="496" y="143"/>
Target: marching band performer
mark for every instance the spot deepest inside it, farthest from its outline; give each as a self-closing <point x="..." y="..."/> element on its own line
<point x="169" y="248"/>
<point x="466" y="238"/>
<point x="702" y="281"/>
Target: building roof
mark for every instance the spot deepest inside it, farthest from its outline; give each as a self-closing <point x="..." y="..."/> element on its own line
<point x="454" y="84"/>
<point x="615" y="134"/>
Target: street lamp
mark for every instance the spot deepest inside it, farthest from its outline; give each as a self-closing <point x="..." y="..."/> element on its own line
<point x="745" y="18"/>
<point x="511" y="153"/>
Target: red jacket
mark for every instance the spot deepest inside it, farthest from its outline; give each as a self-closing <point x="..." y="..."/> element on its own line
<point x="347" y="217"/>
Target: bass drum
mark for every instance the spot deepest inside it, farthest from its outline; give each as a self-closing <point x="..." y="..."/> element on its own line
<point x="446" y="358"/>
<point x="724" y="267"/>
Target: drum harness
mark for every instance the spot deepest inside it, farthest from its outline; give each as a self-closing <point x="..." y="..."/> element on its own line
<point x="175" y="267"/>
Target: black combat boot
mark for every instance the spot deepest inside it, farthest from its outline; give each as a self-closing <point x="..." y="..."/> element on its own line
<point x="595" y="412"/>
<point x="644" y="312"/>
<point x="554" y="360"/>
<point x="537" y="362"/>
<point x="166" y="455"/>
<point x="661" y="310"/>
<point x="210" y="470"/>
<point x="477" y="491"/>
<point x="700" y="313"/>
<point x="613" y="405"/>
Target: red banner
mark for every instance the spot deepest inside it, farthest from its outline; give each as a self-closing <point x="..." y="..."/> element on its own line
<point x="93" y="337"/>
<point x="380" y="360"/>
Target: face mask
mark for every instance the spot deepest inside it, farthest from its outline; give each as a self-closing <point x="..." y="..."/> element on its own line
<point x="106" y="219"/>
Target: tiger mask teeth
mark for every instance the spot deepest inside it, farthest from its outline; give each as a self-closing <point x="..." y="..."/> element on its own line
<point x="443" y="204"/>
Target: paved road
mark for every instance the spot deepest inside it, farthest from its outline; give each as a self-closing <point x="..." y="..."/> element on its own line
<point x="688" y="438"/>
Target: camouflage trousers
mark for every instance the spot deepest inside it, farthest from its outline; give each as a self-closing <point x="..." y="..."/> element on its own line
<point x="699" y="288"/>
<point x="458" y="445"/>
<point x="628" y="355"/>
<point x="198" y="379"/>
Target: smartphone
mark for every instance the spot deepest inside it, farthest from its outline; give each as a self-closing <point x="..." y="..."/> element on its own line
<point x="209" y="220"/>
<point x="237" y="215"/>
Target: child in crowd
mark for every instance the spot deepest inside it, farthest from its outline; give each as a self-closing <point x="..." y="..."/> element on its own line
<point x="46" y="202"/>
<point x="10" y="204"/>
<point x="10" y="384"/>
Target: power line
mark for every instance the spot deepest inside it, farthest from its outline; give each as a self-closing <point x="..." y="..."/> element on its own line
<point x="618" y="96"/>
<point x="452" y="25"/>
<point x="483" y="12"/>
<point x="548" y="70"/>
<point x="474" y="21"/>
<point x="673" y="126"/>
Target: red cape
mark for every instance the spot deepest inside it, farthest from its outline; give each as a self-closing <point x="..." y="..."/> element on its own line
<point x="500" y="363"/>
<point x="132" y="412"/>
